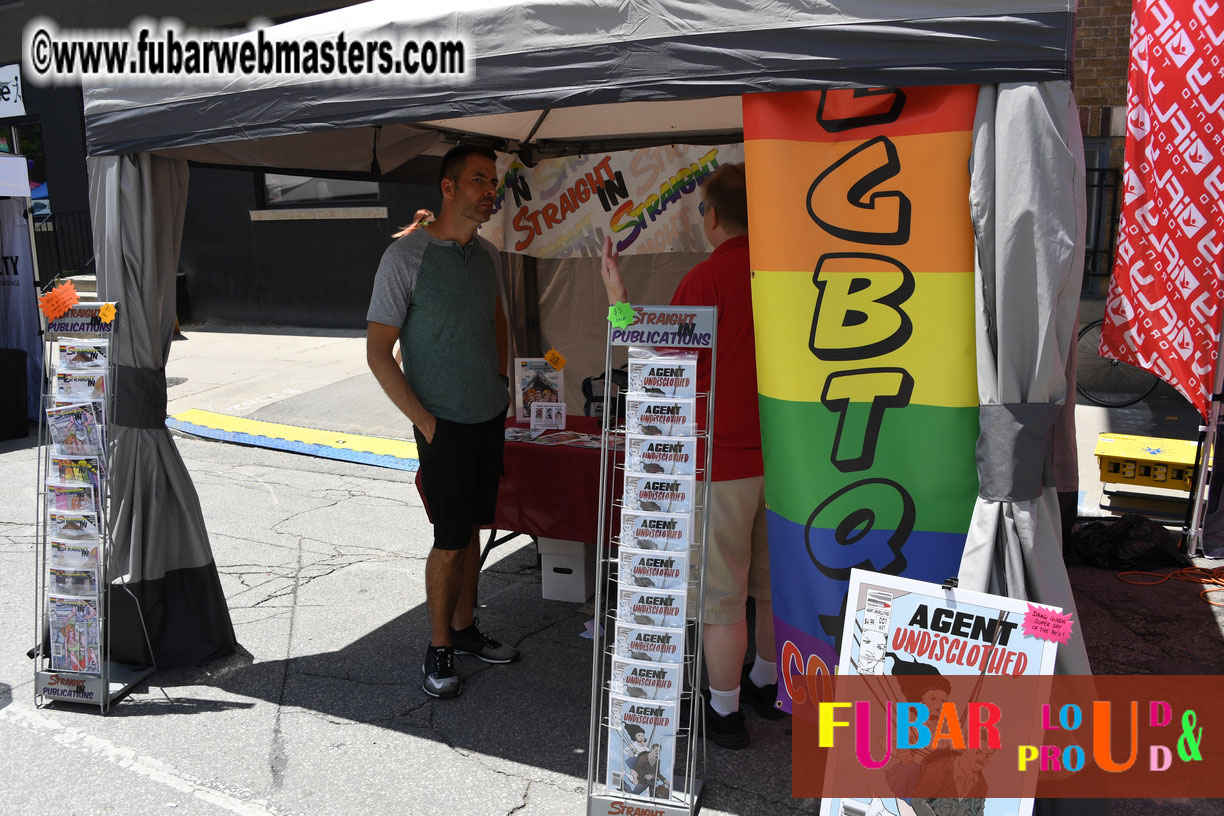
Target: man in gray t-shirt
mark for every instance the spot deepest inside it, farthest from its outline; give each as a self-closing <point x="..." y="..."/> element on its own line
<point x="436" y="291"/>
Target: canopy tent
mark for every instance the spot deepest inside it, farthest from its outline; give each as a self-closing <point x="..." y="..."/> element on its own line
<point x="548" y="78"/>
<point x="564" y="74"/>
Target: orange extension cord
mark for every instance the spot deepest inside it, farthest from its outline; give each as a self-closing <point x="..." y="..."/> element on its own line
<point x="1214" y="578"/>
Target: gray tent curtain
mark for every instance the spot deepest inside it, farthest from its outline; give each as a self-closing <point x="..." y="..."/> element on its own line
<point x="1028" y="209"/>
<point x="160" y="546"/>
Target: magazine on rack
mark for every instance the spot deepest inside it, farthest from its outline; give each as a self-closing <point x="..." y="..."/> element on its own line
<point x="74" y="430"/>
<point x="660" y="494"/>
<point x="81" y="355"/>
<point x="76" y="640"/>
<point x="649" y="643"/>
<point x="663" y="373"/>
<point x="78" y="470"/>
<point x="659" y="416"/>
<point x="644" y="680"/>
<point x="651" y="569"/>
<point x="673" y="455"/>
<point x="72" y="526"/>
<point x="645" y="530"/>
<point x="82" y="581"/>
<point x="888" y="633"/>
<point x="80" y="386"/>
<point x="535" y="380"/>
<point x="651" y="607"/>
<point x="99" y="407"/>
<point x="641" y="746"/>
<point x="73" y="554"/>
<point x="73" y="497"/>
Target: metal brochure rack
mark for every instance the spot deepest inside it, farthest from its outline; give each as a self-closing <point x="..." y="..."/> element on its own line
<point x="66" y="532"/>
<point x="670" y="327"/>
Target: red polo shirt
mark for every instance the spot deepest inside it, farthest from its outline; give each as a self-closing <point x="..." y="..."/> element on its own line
<point x="725" y="280"/>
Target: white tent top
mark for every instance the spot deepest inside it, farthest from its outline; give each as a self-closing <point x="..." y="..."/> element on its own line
<point x="560" y="73"/>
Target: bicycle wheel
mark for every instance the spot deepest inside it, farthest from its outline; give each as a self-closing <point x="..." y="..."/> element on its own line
<point x="1108" y="382"/>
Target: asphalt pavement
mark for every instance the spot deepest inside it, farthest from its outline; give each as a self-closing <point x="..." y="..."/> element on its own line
<point x="322" y="564"/>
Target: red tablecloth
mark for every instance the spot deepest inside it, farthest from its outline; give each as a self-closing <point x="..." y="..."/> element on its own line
<point x="553" y="490"/>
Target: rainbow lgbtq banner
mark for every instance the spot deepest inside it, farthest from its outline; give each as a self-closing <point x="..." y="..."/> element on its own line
<point x="863" y="296"/>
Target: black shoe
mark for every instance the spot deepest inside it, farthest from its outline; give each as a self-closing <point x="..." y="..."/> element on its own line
<point x="472" y="641"/>
<point x="726" y="732"/>
<point x="439" y="670"/>
<point x="763" y="699"/>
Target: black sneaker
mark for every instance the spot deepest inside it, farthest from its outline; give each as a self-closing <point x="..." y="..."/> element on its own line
<point x="439" y="670"/>
<point x="763" y="699"/>
<point x="726" y="732"/>
<point x="472" y="641"/>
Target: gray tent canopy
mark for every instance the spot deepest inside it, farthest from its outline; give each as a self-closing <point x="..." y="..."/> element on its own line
<point x="555" y="73"/>
<point x="545" y="77"/>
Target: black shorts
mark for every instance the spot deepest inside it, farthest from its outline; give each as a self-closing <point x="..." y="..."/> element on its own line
<point x="460" y="470"/>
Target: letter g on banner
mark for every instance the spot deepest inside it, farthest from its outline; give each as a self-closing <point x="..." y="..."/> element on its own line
<point x="870" y="520"/>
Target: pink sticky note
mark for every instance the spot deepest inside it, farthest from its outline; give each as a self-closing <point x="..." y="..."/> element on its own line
<point x="1046" y="624"/>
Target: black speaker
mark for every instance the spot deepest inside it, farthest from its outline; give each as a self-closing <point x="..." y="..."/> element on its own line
<point x="14" y="424"/>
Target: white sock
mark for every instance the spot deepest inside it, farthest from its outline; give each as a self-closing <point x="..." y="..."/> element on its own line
<point x="724" y="703"/>
<point x="764" y="673"/>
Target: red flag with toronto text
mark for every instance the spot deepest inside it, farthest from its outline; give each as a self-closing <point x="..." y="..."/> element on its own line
<point x="1163" y="312"/>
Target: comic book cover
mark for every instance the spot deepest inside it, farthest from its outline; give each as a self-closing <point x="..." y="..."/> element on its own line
<point x="662" y="373"/>
<point x="80" y="386"/>
<point x="651" y="607"/>
<point x="74" y="430"/>
<point x="649" y="643"/>
<point x="74" y="526"/>
<point x="79" y="470"/>
<point x="645" y="530"/>
<point x="76" y="638"/>
<point x="661" y="494"/>
<point x="73" y="554"/>
<point x="641" y="746"/>
<point x="81" y="355"/>
<point x="77" y="498"/>
<point x="673" y="455"/>
<point x="895" y="627"/>
<point x="522" y="434"/>
<point x="535" y="380"/>
<point x="651" y="569"/>
<point x="99" y="407"/>
<point x="560" y="438"/>
<point x="80" y="581"/>
<point x="660" y="416"/>
<point x="643" y="680"/>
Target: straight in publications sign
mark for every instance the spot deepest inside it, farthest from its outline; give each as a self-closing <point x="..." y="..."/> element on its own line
<point x="863" y="297"/>
<point x="83" y="318"/>
<point x="645" y="199"/>
<point x="672" y="326"/>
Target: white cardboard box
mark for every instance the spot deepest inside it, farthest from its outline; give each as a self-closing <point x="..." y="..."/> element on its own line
<point x="567" y="577"/>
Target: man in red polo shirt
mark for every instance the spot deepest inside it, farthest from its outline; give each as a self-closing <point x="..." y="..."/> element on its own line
<point x="737" y="564"/>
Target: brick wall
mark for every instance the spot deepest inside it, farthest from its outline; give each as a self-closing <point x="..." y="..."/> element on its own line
<point x="1102" y="41"/>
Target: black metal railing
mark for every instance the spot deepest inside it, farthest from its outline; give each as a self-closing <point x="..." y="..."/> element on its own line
<point x="1102" y="229"/>
<point x="63" y="242"/>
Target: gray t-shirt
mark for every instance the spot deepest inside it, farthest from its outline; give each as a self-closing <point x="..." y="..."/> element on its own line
<point x="444" y="296"/>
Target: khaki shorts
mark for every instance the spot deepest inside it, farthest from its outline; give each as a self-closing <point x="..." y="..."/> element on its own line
<point x="738" y="561"/>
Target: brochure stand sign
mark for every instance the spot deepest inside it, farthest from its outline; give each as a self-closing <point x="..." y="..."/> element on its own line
<point x="73" y="578"/>
<point x="646" y="735"/>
